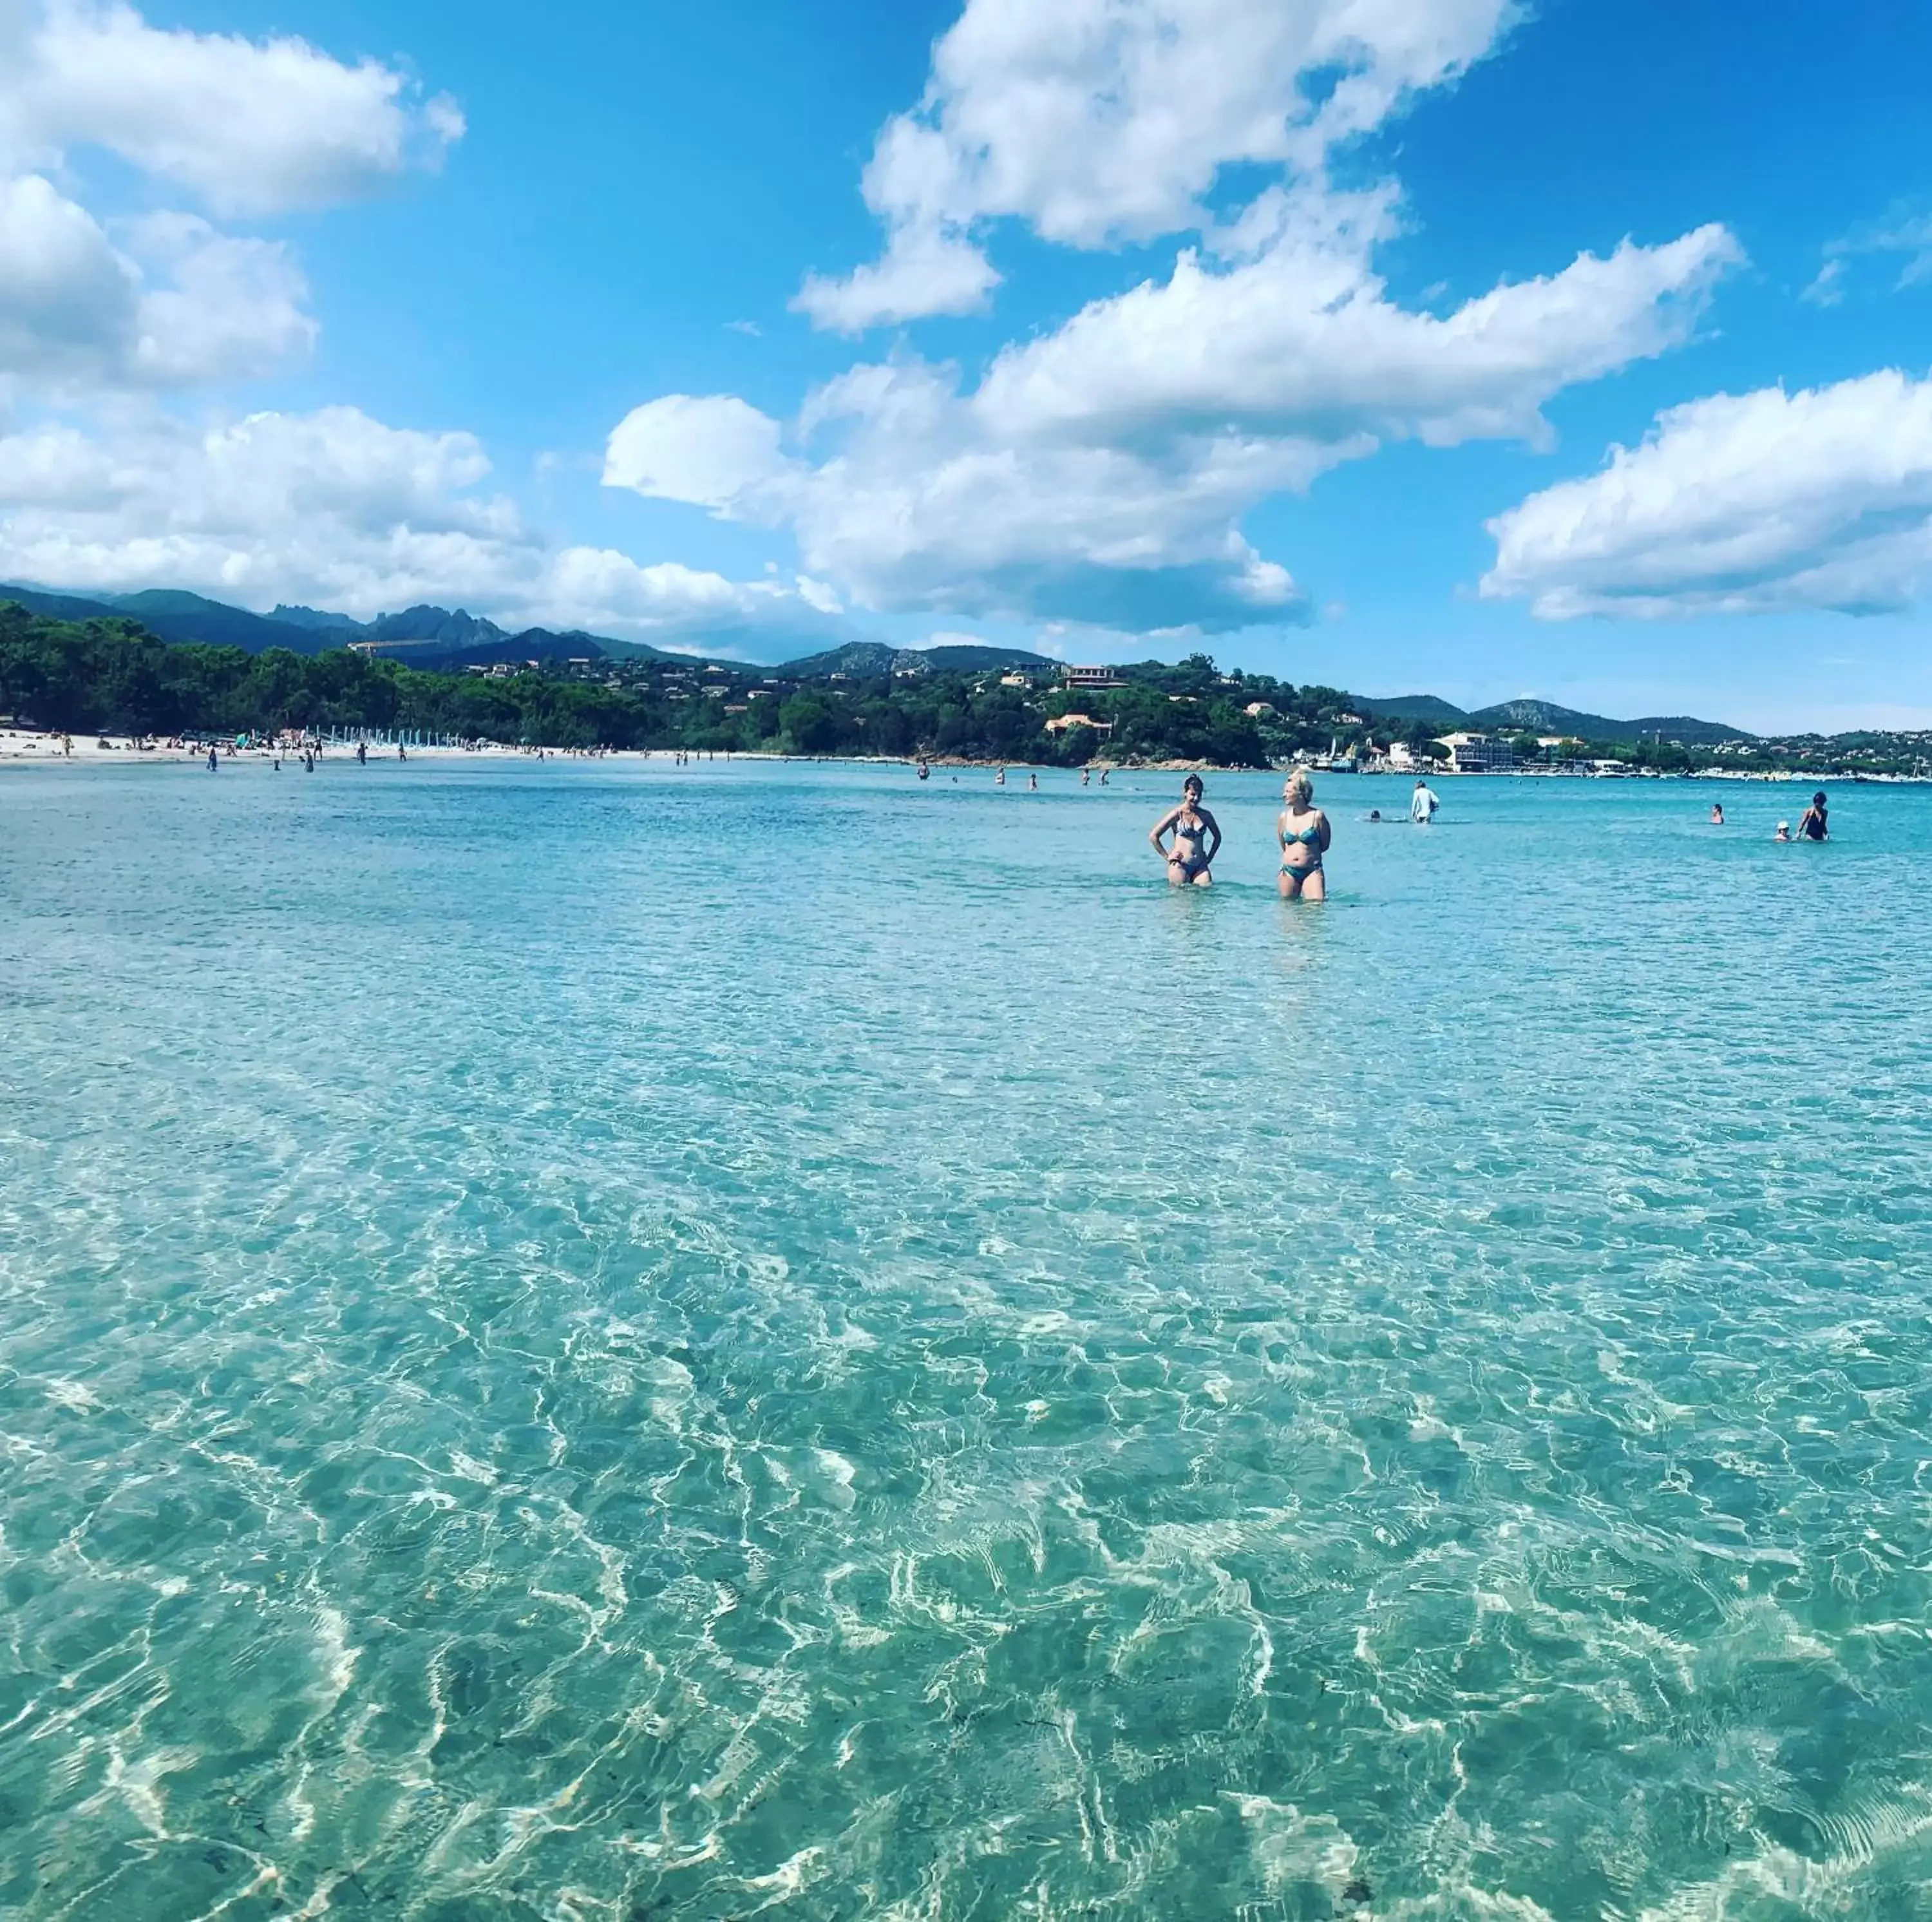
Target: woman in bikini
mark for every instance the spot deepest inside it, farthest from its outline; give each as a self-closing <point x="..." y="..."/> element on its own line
<point x="1197" y="838"/>
<point x="1302" y="830"/>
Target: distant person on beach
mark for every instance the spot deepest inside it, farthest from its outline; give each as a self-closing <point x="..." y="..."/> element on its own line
<point x="1303" y="829"/>
<point x="1103" y="777"/>
<point x="925" y="772"/>
<point x="1717" y="814"/>
<point x="361" y="753"/>
<point x="1086" y="775"/>
<point x="214" y="761"/>
<point x="1422" y="804"/>
<point x="1811" y="823"/>
<point x="402" y="753"/>
<point x="1033" y="784"/>
<point x="1197" y="838"/>
<point x="1000" y="778"/>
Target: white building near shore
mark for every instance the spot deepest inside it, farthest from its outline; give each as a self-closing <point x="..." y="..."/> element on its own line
<point x="1478" y="753"/>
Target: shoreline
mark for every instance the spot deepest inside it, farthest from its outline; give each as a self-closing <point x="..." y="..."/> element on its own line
<point x="27" y="747"/>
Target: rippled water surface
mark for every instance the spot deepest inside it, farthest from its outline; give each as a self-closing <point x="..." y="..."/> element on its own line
<point x="596" y="1341"/>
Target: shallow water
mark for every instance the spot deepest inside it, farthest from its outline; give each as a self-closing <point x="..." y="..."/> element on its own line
<point x="596" y="1340"/>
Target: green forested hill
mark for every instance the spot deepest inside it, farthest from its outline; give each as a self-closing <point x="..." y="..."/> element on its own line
<point x="442" y="640"/>
<point x="1546" y="717"/>
<point x="111" y="674"/>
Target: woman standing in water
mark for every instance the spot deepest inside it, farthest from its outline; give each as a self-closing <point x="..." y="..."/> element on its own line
<point x="1811" y="823"/>
<point x="1303" y="829"/>
<point x="1197" y="838"/>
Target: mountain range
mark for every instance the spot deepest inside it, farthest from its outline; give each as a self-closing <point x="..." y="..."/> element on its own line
<point x="425" y="637"/>
<point x="441" y="638"/>
<point x="878" y="657"/>
<point x="1546" y="717"/>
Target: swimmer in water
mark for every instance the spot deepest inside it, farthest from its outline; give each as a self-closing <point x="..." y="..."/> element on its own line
<point x="1033" y="784"/>
<point x="1303" y="829"/>
<point x="1811" y="823"/>
<point x="1784" y="831"/>
<point x="1197" y="838"/>
<point x="1717" y="814"/>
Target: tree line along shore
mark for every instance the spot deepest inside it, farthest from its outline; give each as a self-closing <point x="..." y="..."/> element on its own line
<point x="115" y="677"/>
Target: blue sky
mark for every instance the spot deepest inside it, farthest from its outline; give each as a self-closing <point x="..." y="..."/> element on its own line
<point x="1128" y="327"/>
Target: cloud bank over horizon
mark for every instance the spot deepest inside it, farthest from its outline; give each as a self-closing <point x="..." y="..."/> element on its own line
<point x="336" y="510"/>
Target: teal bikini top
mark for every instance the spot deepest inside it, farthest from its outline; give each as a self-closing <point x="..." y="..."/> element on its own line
<point x="1307" y="837"/>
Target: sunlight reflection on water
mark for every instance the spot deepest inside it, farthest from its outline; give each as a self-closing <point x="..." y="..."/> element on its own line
<point x="605" y="1340"/>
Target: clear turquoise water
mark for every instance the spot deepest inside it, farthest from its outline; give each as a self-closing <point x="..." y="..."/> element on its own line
<point x="597" y="1341"/>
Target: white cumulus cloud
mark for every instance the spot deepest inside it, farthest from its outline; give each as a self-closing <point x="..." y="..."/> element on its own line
<point x="227" y="308"/>
<point x="69" y="299"/>
<point x="247" y="127"/>
<point x="251" y="127"/>
<point x="709" y="450"/>
<point x="1101" y="121"/>
<point x="1303" y="339"/>
<point x="923" y="271"/>
<point x="339" y="510"/>
<point x="178" y="303"/>
<point x="908" y="505"/>
<point x="1099" y="474"/>
<point x="1759" y="502"/>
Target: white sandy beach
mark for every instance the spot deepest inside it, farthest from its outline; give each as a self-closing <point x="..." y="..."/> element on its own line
<point x="32" y="744"/>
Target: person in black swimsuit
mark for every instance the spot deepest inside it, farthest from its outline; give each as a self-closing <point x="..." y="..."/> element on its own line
<point x="1197" y="838"/>
<point x="1811" y="823"/>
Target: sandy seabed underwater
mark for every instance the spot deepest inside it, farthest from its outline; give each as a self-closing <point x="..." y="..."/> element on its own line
<point x="601" y="1341"/>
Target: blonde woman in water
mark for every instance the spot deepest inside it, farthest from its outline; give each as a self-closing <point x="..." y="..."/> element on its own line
<point x="1303" y="829"/>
